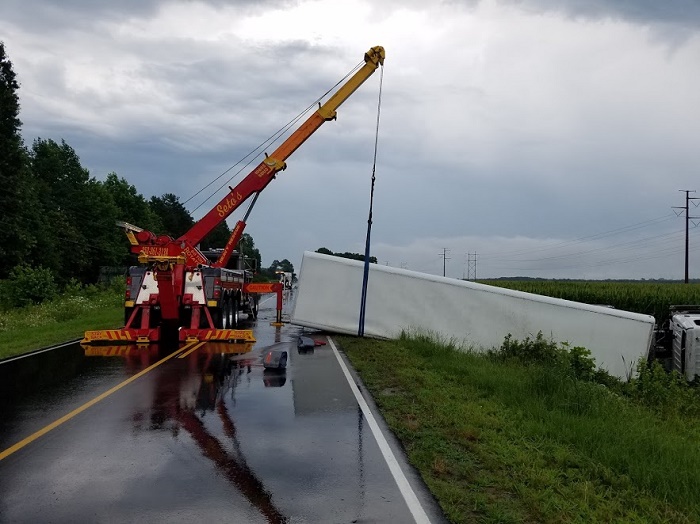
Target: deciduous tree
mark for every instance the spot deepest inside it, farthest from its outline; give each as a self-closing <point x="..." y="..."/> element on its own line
<point x="77" y="233"/>
<point x="16" y="234"/>
<point x="247" y="247"/>
<point x="346" y="254"/>
<point x="133" y="207"/>
<point x="174" y="218"/>
<point x="217" y="238"/>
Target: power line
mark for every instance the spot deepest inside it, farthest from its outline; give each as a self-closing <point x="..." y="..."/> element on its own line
<point x="275" y="137"/>
<point x="622" y="245"/>
<point x="609" y="262"/>
<point x="579" y="240"/>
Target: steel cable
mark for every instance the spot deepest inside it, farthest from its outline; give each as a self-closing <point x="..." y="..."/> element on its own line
<point x="275" y="137"/>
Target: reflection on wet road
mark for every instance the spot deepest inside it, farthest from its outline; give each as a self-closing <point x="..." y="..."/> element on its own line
<point x="207" y="433"/>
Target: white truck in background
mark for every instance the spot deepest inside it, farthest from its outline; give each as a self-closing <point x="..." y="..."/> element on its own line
<point x="286" y="278"/>
<point x="677" y="341"/>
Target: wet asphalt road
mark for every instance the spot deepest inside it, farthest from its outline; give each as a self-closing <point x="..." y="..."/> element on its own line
<point x="208" y="435"/>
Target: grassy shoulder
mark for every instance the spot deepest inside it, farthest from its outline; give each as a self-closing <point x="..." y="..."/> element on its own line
<point x="60" y="320"/>
<point x="500" y="441"/>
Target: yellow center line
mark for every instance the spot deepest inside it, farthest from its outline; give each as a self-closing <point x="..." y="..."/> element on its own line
<point x="43" y="431"/>
<point x="183" y="355"/>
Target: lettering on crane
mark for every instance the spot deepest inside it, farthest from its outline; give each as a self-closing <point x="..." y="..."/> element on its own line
<point x="193" y="255"/>
<point x="236" y="229"/>
<point x="155" y="251"/>
<point x="262" y="170"/>
<point x="230" y="244"/>
<point x="229" y="204"/>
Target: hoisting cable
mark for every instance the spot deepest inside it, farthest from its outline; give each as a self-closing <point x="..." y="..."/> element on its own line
<point x="255" y="153"/>
<point x="275" y="137"/>
<point x="365" y="276"/>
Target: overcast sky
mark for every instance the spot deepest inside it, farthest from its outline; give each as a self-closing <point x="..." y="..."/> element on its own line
<point x="551" y="138"/>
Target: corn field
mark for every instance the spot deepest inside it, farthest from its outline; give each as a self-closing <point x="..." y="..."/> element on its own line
<point x="650" y="298"/>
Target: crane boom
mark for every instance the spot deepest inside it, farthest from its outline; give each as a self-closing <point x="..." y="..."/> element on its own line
<point x="263" y="174"/>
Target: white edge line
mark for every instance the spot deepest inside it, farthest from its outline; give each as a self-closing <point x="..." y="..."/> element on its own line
<point x="38" y="351"/>
<point x="267" y="299"/>
<point x="405" y="488"/>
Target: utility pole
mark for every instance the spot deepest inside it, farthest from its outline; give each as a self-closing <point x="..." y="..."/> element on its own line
<point x="471" y="266"/>
<point x="445" y="258"/>
<point x="688" y="218"/>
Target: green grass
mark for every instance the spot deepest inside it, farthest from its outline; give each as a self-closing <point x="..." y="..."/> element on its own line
<point x="61" y="320"/>
<point x="500" y="441"/>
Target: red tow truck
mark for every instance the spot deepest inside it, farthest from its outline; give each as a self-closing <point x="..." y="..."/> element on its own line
<point x="177" y="291"/>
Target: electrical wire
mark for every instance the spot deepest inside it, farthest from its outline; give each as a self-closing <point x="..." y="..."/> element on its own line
<point x="257" y="151"/>
<point x="365" y="273"/>
<point x="595" y="236"/>
<point x="622" y="258"/>
<point x="635" y="250"/>
<point x="591" y="265"/>
<point x="616" y="247"/>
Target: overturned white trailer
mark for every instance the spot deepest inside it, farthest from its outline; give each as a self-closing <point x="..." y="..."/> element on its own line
<point x="473" y="315"/>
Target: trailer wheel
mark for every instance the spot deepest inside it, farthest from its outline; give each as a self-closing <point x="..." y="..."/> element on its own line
<point x="235" y="314"/>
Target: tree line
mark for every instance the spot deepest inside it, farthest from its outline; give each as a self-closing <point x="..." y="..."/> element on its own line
<point x="346" y="254"/>
<point x="58" y="218"/>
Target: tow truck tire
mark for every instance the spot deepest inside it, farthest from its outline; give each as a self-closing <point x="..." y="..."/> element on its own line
<point x="235" y="314"/>
<point x="226" y="313"/>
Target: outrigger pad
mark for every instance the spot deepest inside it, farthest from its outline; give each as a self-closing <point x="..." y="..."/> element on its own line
<point x="306" y="343"/>
<point x="275" y="359"/>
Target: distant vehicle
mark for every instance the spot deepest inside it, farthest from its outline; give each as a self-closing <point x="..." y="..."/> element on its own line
<point x="286" y="278"/>
<point x="677" y="341"/>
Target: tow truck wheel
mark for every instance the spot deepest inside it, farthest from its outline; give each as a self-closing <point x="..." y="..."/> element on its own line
<point x="235" y="314"/>
<point x="226" y="313"/>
